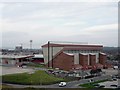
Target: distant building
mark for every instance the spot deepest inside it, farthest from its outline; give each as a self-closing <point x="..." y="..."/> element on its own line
<point x="18" y="48"/>
<point x="14" y="59"/>
<point x="73" y="56"/>
<point x="38" y="58"/>
<point x="20" y="51"/>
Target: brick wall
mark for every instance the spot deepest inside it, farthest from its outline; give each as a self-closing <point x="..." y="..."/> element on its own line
<point x="66" y="62"/>
<point x="63" y="61"/>
<point x="92" y="59"/>
<point x="83" y="60"/>
<point x="102" y="59"/>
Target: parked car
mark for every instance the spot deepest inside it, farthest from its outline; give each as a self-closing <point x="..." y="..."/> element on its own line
<point x="115" y="67"/>
<point x="62" y="84"/>
<point x="101" y="86"/>
<point x="96" y="85"/>
<point x="113" y="85"/>
<point x="118" y="87"/>
<point x="114" y="79"/>
<point x="23" y="65"/>
<point x="90" y="80"/>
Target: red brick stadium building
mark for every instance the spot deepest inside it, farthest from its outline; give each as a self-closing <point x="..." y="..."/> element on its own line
<point x="73" y="56"/>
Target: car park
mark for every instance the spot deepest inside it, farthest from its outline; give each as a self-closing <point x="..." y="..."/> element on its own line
<point x="62" y="84"/>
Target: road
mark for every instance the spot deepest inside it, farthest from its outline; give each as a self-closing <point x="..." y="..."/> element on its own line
<point x="75" y="84"/>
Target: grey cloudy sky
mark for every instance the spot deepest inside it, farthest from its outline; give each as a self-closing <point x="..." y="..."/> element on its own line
<point x="92" y="22"/>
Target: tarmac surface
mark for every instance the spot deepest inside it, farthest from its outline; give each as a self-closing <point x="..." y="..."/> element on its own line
<point x="108" y="84"/>
<point x="11" y="70"/>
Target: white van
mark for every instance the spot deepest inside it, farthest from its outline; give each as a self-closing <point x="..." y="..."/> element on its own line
<point x="62" y="84"/>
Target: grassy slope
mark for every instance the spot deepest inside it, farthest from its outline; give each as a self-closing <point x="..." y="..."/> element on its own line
<point x="37" y="78"/>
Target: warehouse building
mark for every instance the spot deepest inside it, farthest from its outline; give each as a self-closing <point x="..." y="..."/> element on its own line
<point x="73" y="56"/>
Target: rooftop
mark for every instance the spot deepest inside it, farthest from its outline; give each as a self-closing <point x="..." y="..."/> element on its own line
<point x="71" y="45"/>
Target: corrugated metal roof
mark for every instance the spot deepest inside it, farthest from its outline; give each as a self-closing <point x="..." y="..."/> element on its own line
<point x="15" y="56"/>
<point x="38" y="55"/>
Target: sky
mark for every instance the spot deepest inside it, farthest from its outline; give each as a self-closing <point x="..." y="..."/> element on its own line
<point x="91" y="22"/>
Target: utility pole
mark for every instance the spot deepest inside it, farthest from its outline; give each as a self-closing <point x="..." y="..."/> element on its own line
<point x="48" y="52"/>
<point x="52" y="55"/>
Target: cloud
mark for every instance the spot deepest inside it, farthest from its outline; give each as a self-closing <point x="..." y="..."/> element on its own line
<point x="59" y="1"/>
<point x="74" y="23"/>
<point x="102" y="28"/>
<point x="41" y="22"/>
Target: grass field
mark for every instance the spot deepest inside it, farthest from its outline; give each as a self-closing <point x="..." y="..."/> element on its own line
<point x="37" y="78"/>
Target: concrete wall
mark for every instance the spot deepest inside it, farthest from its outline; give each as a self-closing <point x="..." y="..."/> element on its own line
<point x="97" y="57"/>
<point x="52" y="51"/>
<point x="76" y="58"/>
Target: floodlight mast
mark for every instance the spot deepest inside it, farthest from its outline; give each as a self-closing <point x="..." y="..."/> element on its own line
<point x="31" y="44"/>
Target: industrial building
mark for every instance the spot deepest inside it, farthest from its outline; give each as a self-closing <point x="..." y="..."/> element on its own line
<point x="14" y="59"/>
<point x="19" y="59"/>
<point x="73" y="56"/>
